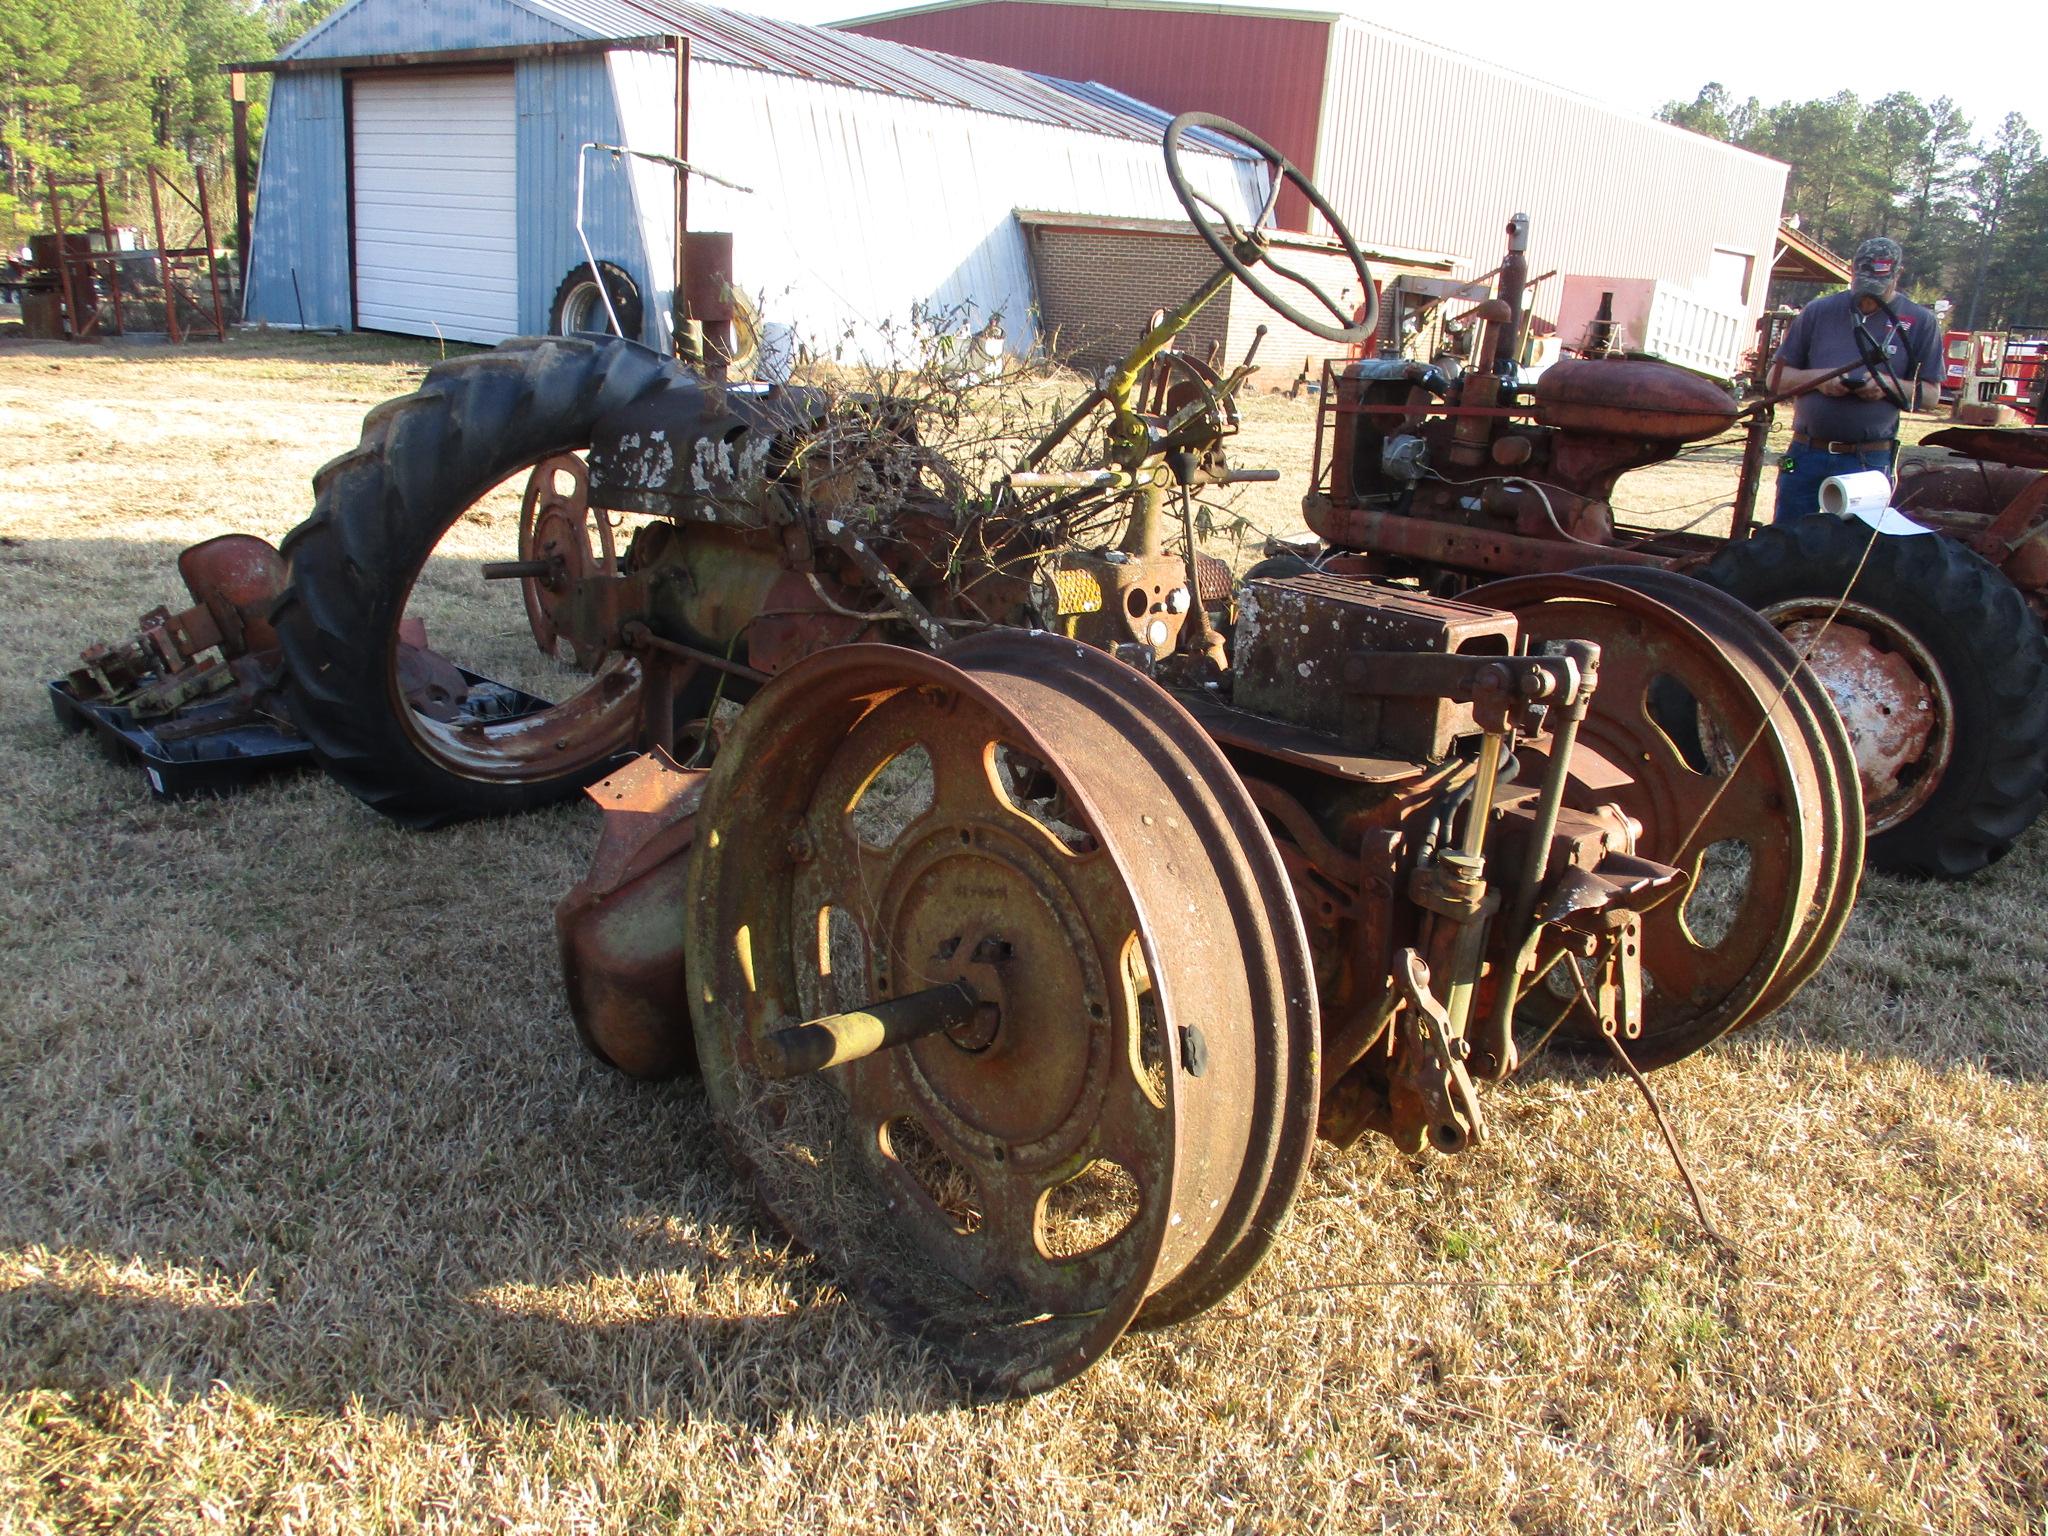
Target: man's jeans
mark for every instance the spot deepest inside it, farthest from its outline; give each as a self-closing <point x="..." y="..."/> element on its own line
<point x="1803" y="468"/>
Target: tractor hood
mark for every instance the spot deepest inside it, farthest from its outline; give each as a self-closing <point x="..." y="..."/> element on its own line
<point x="693" y="447"/>
<point x="1634" y="397"/>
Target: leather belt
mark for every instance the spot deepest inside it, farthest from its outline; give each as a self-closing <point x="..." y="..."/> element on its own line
<point x="1840" y="447"/>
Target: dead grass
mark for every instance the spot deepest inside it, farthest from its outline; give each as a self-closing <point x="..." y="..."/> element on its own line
<point x="314" y="1216"/>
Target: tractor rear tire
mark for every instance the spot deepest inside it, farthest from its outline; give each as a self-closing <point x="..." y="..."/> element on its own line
<point x="378" y="512"/>
<point x="1977" y="654"/>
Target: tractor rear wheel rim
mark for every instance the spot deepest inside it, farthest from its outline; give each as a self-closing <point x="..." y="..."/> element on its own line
<point x="1840" y="830"/>
<point x="1701" y="983"/>
<point x="1013" y="1192"/>
<point x="590" y="727"/>
<point x="1890" y="693"/>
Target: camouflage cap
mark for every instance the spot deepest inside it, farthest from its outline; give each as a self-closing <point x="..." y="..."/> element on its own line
<point x="1877" y="266"/>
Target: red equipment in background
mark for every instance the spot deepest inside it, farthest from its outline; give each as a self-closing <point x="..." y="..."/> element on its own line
<point x="1994" y="368"/>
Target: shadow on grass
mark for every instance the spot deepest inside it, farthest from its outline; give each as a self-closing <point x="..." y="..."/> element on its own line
<point x="292" y="1101"/>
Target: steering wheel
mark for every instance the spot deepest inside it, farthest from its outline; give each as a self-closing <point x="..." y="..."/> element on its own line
<point x="1241" y="250"/>
<point x="1878" y="360"/>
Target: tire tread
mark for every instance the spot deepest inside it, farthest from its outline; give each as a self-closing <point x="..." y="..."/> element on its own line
<point x="380" y="509"/>
<point x="1977" y="626"/>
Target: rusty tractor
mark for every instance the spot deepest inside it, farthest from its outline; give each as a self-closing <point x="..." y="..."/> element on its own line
<point x="1050" y="892"/>
<point x="1930" y="647"/>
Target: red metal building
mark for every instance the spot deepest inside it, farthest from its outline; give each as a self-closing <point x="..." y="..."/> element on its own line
<point x="1264" y="70"/>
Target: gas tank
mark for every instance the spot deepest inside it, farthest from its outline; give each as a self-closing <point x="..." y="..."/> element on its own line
<point x="1633" y="397"/>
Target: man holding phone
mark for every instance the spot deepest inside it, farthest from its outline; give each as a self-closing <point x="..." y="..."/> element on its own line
<point x="1851" y="421"/>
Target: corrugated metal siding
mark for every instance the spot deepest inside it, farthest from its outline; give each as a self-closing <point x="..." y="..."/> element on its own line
<point x="1264" y="72"/>
<point x="563" y="104"/>
<point x="644" y="87"/>
<point x="850" y="59"/>
<point x="1430" y="148"/>
<point x="369" y="26"/>
<point x="301" y="208"/>
<point x="868" y="205"/>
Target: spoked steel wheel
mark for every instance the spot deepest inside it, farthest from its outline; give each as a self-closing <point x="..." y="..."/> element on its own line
<point x="1756" y="824"/>
<point x="1738" y="627"/>
<point x="1059" y="1068"/>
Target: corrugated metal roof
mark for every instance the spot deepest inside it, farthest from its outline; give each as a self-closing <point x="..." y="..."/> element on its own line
<point x="866" y="63"/>
<point x="789" y="48"/>
<point x="1190" y="7"/>
<point x="1155" y="118"/>
<point x="1803" y="259"/>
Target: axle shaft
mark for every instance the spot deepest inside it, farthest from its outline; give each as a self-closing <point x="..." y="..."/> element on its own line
<point x="842" y="1037"/>
<point x="518" y="570"/>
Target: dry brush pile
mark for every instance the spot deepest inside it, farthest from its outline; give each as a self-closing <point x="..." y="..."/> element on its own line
<point x="315" y="1217"/>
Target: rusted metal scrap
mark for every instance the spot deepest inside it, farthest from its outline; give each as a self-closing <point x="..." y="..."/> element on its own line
<point x="178" y="658"/>
<point x="197" y="696"/>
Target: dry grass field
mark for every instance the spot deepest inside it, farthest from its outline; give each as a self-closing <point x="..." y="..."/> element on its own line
<point x="315" y="1217"/>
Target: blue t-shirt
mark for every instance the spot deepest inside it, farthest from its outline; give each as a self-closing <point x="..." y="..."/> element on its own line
<point x="1832" y="331"/>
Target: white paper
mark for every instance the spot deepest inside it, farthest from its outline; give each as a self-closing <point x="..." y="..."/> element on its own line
<point x="1867" y="497"/>
<point x="1885" y="520"/>
<point x="1867" y="490"/>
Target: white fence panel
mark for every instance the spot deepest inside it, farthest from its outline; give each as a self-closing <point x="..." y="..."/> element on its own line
<point x="1708" y="335"/>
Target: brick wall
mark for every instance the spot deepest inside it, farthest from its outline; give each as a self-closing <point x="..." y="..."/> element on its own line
<point x="1098" y="287"/>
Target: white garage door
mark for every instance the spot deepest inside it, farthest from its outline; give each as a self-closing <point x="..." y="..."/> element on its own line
<point x="436" y="249"/>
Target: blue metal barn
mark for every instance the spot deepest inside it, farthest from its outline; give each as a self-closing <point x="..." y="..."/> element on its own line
<point x="419" y="171"/>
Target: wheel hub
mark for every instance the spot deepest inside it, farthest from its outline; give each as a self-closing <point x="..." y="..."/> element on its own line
<point x="1032" y="1079"/>
<point x="556" y="528"/>
<point x="1890" y="694"/>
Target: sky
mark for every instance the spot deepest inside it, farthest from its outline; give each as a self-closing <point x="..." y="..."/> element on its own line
<point x="1992" y="59"/>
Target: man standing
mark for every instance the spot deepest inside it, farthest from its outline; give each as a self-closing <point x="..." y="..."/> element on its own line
<point x="1851" y="422"/>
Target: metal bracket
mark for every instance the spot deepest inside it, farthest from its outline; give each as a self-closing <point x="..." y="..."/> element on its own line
<point x="1434" y="1065"/>
<point x="1424" y="675"/>
<point x="844" y="537"/>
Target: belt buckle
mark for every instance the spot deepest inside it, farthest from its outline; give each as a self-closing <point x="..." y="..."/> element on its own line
<point x="1844" y="449"/>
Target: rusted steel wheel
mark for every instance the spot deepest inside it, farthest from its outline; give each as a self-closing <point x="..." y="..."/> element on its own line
<point x="1751" y="830"/>
<point x="1939" y="670"/>
<point x="1740" y="627"/>
<point x="378" y="513"/>
<point x="558" y="529"/>
<point x="1113" y="1128"/>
